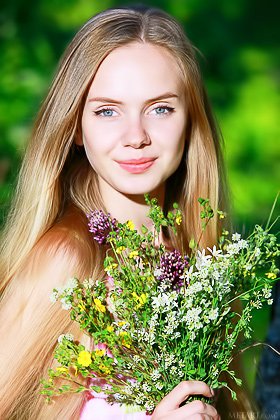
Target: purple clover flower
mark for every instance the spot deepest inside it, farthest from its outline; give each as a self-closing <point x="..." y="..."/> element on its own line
<point x="172" y="266"/>
<point x="101" y="224"/>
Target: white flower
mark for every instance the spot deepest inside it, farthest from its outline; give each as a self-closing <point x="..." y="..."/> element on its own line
<point x="146" y="387"/>
<point x="194" y="288"/>
<point x="173" y="370"/>
<point x="213" y="314"/>
<point x="155" y="375"/>
<point x="266" y="293"/>
<point x="169" y="359"/>
<point x="236" y="236"/>
<point x="88" y="283"/>
<point x="202" y="260"/>
<point x="192" y="335"/>
<point x="71" y="283"/>
<point x="65" y="305"/>
<point x="139" y="400"/>
<point x="165" y="301"/>
<point x="158" y="272"/>
<point x="188" y="274"/>
<point x="67" y="336"/>
<point x="53" y="297"/>
<point x="192" y="318"/>
<point x="257" y="304"/>
<point x="257" y="252"/>
<point x="128" y="390"/>
<point x="216" y="275"/>
<point x="233" y="249"/>
<point x="215" y="252"/>
<point x="150" y="406"/>
<point x="69" y="287"/>
<point x="215" y="372"/>
<point x="242" y="244"/>
<point x="159" y="385"/>
<point x="270" y="301"/>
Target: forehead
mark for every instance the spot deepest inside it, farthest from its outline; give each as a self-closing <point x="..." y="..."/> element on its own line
<point x="135" y="68"/>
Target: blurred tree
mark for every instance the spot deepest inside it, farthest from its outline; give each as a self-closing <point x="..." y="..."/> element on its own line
<point x="240" y="41"/>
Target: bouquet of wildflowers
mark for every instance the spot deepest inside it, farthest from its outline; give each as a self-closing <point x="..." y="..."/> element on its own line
<point x="159" y="317"/>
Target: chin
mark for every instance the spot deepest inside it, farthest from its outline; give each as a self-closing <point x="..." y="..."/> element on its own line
<point x="140" y="189"/>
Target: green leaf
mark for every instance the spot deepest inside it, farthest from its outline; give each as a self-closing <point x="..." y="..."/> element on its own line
<point x="192" y="244"/>
<point x="144" y="229"/>
<point x="202" y="372"/>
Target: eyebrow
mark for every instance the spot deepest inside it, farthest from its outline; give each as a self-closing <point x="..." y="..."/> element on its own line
<point x="167" y="95"/>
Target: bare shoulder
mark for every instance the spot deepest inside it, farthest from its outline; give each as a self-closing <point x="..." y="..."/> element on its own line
<point x="70" y="234"/>
<point x="66" y="250"/>
<point x="63" y="252"/>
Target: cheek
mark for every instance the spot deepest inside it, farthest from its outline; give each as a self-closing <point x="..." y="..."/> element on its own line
<point x="174" y="140"/>
<point x="96" y="141"/>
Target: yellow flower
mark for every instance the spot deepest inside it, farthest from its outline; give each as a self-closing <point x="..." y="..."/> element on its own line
<point x="121" y="323"/>
<point x="142" y="299"/>
<point x="84" y="358"/>
<point x="111" y="267"/>
<point x="133" y="254"/>
<point x="125" y="344"/>
<point x="104" y="368"/>
<point x="99" y="306"/>
<point x="178" y="219"/>
<point x="120" y="249"/>
<point x="62" y="369"/>
<point x="125" y="339"/>
<point x="110" y="328"/>
<point x="130" y="225"/>
<point x="270" y="275"/>
<point x="99" y="352"/>
<point x="82" y="307"/>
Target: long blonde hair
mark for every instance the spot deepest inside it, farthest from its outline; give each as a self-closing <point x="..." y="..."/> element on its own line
<point x="56" y="176"/>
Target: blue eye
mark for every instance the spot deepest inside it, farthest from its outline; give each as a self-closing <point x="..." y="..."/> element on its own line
<point x="162" y="110"/>
<point x="105" y="112"/>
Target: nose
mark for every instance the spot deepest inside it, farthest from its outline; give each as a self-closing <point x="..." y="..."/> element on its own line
<point x="136" y="135"/>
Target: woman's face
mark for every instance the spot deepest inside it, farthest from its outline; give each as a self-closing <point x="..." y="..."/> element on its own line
<point x="134" y="119"/>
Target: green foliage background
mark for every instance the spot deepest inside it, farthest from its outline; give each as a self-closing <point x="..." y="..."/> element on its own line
<point x="240" y="44"/>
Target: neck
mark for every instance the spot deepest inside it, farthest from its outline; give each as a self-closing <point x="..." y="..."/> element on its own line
<point x="128" y="206"/>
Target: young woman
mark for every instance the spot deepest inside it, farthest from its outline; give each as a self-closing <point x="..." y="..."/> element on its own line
<point x="126" y="114"/>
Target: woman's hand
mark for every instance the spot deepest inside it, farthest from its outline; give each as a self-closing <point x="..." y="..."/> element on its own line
<point x="169" y="408"/>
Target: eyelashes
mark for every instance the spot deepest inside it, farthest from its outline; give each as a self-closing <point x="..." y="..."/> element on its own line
<point x="160" y="110"/>
<point x="104" y="112"/>
<point x="165" y="108"/>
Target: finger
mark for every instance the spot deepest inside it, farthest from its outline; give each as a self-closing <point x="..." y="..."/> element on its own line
<point x="181" y="392"/>
<point x="199" y="417"/>
<point x="199" y="407"/>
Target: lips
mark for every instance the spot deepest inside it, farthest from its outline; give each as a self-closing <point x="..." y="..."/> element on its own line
<point x="136" y="166"/>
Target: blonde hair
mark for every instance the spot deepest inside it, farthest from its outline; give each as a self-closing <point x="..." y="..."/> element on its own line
<point x="56" y="178"/>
